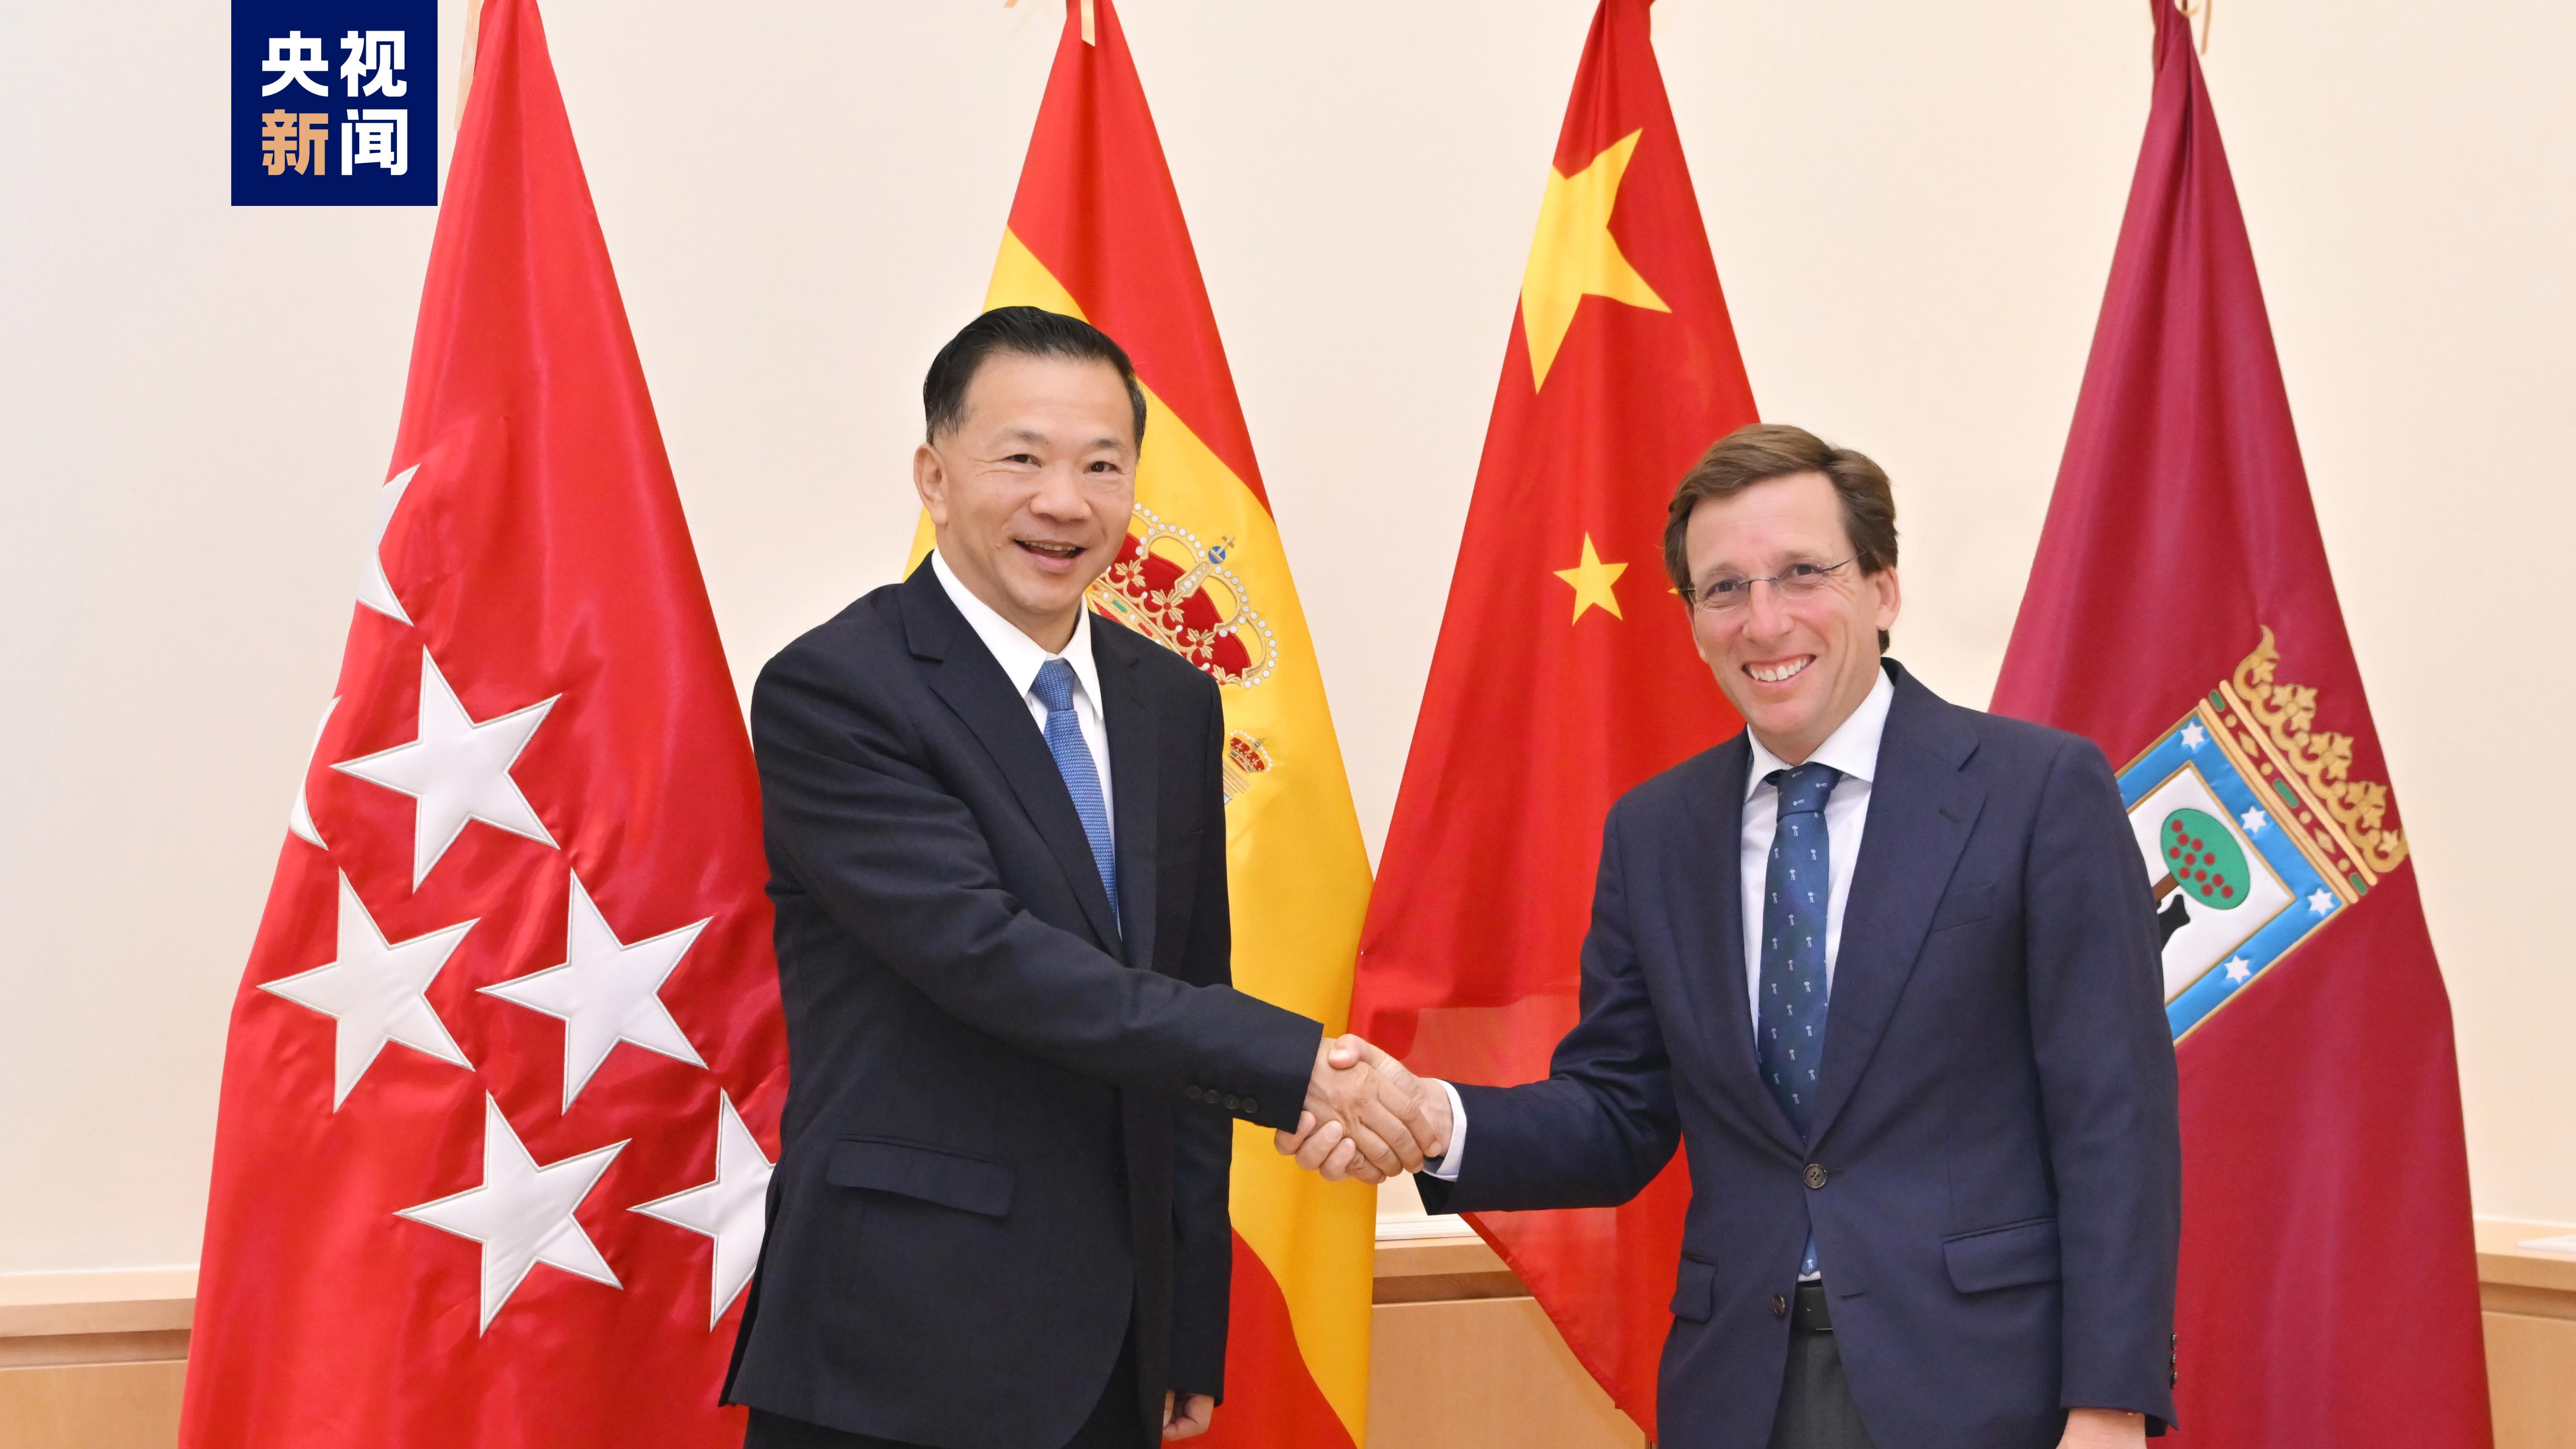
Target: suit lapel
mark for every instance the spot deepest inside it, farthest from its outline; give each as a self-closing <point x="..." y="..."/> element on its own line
<point x="1921" y="809"/>
<point x="1134" y="762"/>
<point x="1709" y="872"/>
<point x="965" y="674"/>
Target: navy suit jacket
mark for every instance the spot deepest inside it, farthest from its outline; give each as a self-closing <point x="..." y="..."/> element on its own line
<point x="1007" y="1135"/>
<point x="1994" y="1171"/>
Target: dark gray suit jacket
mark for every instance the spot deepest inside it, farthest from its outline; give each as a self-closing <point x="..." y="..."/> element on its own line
<point x="1008" y="1130"/>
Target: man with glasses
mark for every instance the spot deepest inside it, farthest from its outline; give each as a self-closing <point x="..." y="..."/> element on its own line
<point x="1888" y="968"/>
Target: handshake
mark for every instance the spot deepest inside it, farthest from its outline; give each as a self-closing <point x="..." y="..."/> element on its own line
<point x="1366" y="1117"/>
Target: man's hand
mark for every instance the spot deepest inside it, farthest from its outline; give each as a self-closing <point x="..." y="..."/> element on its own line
<point x="2104" y="1429"/>
<point x="1400" y="1121"/>
<point x="1382" y="1121"/>
<point x="1186" y="1414"/>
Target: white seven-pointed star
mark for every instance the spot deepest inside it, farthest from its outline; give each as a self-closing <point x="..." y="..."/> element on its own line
<point x="729" y="1209"/>
<point x="2238" y="968"/>
<point x="374" y="992"/>
<point x="2193" y="736"/>
<point x="300" y="819"/>
<point x="374" y="589"/>
<point x="522" y="1214"/>
<point x="606" y="992"/>
<point x="457" y="769"/>
<point x="2321" y="902"/>
<point x="2253" y="821"/>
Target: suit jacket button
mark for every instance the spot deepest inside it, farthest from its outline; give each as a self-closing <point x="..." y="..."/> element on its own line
<point x="1234" y="1104"/>
<point x="1192" y="1092"/>
<point x="1779" y="1305"/>
<point x="1815" y="1175"/>
<point x="1251" y="1108"/>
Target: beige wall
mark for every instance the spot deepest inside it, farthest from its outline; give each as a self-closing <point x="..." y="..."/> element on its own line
<point x="1912" y="205"/>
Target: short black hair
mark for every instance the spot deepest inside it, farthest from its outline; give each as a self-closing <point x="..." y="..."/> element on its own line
<point x="1029" y="332"/>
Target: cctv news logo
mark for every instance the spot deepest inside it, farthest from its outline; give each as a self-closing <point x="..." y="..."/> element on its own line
<point x="335" y="105"/>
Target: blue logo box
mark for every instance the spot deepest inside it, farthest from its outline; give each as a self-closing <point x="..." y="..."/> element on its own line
<point x="335" y="104"/>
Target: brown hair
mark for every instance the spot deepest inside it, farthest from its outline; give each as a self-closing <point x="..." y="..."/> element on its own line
<point x="1761" y="452"/>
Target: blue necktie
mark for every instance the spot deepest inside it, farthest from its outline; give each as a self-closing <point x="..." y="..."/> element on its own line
<point x="1054" y="689"/>
<point x="1789" y="1030"/>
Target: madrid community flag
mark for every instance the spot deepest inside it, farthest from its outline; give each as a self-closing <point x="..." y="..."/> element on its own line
<point x="1565" y="673"/>
<point x="502" y="1088"/>
<point x="2181" y="615"/>
<point x="1096" y="232"/>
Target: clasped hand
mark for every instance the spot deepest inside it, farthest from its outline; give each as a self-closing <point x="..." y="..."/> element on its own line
<point x="1366" y="1117"/>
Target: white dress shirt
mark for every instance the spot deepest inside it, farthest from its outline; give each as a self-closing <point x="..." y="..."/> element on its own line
<point x="1021" y="657"/>
<point x="1853" y="749"/>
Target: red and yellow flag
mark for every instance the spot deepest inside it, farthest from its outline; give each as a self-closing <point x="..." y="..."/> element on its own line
<point x="1565" y="673"/>
<point x="1096" y="232"/>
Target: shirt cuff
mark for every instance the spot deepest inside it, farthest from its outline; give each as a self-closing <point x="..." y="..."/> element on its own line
<point x="1445" y="1167"/>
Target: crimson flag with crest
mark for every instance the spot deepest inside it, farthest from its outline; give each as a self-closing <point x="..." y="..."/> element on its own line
<point x="2181" y="615"/>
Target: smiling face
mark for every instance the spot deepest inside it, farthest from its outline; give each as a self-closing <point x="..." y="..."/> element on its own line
<point x="1031" y="491"/>
<point x="1795" y="669"/>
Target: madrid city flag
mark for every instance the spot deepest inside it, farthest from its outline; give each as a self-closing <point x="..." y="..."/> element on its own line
<point x="1565" y="673"/>
<point x="504" y="1074"/>
<point x="1096" y="232"/>
<point x="2181" y="615"/>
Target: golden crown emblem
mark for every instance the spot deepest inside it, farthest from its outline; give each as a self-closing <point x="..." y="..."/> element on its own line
<point x="2344" y="820"/>
<point x="1176" y="591"/>
<point x="1168" y="586"/>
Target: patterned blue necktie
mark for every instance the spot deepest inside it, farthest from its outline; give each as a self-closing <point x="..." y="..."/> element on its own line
<point x="1789" y="1031"/>
<point x="1054" y="689"/>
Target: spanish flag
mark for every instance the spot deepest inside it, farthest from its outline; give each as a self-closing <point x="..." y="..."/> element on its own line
<point x="1096" y="232"/>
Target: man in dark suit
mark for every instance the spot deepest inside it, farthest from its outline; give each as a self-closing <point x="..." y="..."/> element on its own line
<point x="1888" y="967"/>
<point x="997" y="844"/>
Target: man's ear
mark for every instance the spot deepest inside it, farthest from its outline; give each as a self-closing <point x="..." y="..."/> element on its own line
<point x="930" y="480"/>
<point x="1890" y="597"/>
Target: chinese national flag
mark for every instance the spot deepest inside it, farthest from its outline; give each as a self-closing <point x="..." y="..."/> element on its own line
<point x="1565" y="672"/>
<point x="2181" y="615"/>
<point x="505" y="1069"/>
<point x="1096" y="232"/>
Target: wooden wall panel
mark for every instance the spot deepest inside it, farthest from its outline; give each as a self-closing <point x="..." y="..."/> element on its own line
<point x="2531" y="1380"/>
<point x="2530" y="1301"/>
<point x="92" y="1405"/>
<point x="1483" y="1373"/>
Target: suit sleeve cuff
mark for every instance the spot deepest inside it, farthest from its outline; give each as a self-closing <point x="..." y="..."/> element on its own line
<point x="1262" y="1079"/>
<point x="1445" y="1167"/>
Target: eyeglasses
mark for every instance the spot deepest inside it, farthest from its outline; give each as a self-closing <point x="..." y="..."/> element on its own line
<point x="1796" y="582"/>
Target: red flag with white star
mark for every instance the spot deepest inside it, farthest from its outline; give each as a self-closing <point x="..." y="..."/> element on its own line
<point x="1565" y="672"/>
<point x="502" y="1087"/>
<point x="2181" y="614"/>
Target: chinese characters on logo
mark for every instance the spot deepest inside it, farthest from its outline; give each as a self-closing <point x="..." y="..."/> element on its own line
<point x="293" y="145"/>
<point x="289" y="139"/>
<point x="371" y="137"/>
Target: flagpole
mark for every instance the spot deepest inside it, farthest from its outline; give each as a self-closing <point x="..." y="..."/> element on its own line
<point x="2204" y="11"/>
<point x="465" y="65"/>
<point x="1090" y="23"/>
